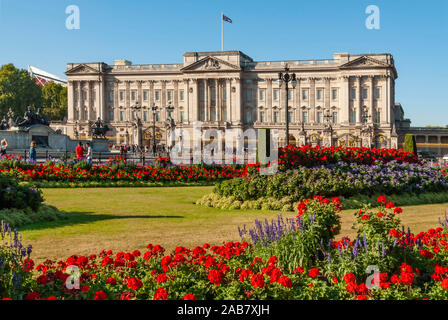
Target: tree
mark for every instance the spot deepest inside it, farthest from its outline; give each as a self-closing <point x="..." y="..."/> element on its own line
<point x="17" y="90"/>
<point x="54" y="101"/>
<point x="410" y="144"/>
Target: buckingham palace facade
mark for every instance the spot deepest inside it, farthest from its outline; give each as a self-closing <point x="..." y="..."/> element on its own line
<point x="347" y="100"/>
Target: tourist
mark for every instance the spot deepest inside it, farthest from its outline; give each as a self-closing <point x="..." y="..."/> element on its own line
<point x="89" y="154"/>
<point x="80" y="151"/>
<point x="3" y="147"/>
<point x="33" y="155"/>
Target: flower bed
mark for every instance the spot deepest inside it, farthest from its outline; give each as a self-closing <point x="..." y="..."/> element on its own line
<point x="296" y="259"/>
<point x="341" y="179"/>
<point x="307" y="156"/>
<point x="120" y="172"/>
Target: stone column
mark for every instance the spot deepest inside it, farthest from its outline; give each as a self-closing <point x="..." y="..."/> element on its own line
<point x="176" y="100"/>
<point x="344" y="100"/>
<point x="90" y="103"/>
<point x="312" y="99"/>
<point x="269" y="111"/>
<point x="206" y="100"/>
<point x="298" y="99"/>
<point x="70" y="101"/>
<point x="359" y="104"/>
<point x="372" y="99"/>
<point x="189" y="115"/>
<point x="116" y="103"/>
<point x="127" y="100"/>
<point x="238" y="105"/>
<point x="164" y="101"/>
<point x="384" y="100"/>
<point x="140" y="98"/>
<point x="218" y="101"/>
<point x="80" y="101"/>
<point x="195" y="100"/>
<point x="229" y="100"/>
<point x="327" y="94"/>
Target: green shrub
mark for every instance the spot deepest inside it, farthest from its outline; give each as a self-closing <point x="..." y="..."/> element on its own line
<point x="20" y="217"/>
<point x="410" y="144"/>
<point x="14" y="195"/>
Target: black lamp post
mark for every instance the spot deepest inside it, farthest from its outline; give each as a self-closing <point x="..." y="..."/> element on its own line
<point x="287" y="77"/>
<point x="154" y="112"/>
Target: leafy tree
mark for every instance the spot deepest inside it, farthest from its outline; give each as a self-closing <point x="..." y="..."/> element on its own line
<point x="54" y="101"/>
<point x="410" y="143"/>
<point x="17" y="90"/>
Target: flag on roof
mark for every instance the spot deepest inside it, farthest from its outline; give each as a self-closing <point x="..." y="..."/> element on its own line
<point x="226" y="19"/>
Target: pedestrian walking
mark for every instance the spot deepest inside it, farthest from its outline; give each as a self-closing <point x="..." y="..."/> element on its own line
<point x="3" y="147"/>
<point x="33" y="154"/>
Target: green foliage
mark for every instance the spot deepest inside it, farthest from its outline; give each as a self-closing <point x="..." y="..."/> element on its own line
<point x="20" y="217"/>
<point x="54" y="101"/>
<point x="17" y="90"/>
<point x="410" y="143"/>
<point x="14" y="195"/>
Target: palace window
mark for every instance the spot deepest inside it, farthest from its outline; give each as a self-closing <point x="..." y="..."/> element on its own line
<point x="182" y="116"/>
<point x="111" y="116"/>
<point x="304" y="116"/>
<point x="111" y="95"/>
<point x="319" y="117"/>
<point x="224" y="94"/>
<point x="334" y="94"/>
<point x="121" y="95"/>
<point x="94" y="95"/>
<point x="377" y="116"/>
<point x="145" y="115"/>
<point x="353" y="93"/>
<point x="335" y="117"/>
<point x="170" y="95"/>
<point x="275" y="94"/>
<point x="377" y="93"/>
<point x="261" y="116"/>
<point x="290" y="94"/>
<point x="133" y="95"/>
<point x="157" y="95"/>
<point x="290" y="116"/>
<point x="181" y="95"/>
<point x="365" y="93"/>
<point x="121" y="115"/>
<point x="145" y="95"/>
<point x="248" y="95"/>
<point x="352" y="116"/>
<point x="261" y="94"/>
<point x="319" y="94"/>
<point x="248" y="116"/>
<point x="304" y="94"/>
<point x="212" y="115"/>
<point x="157" y="115"/>
<point x="275" y="116"/>
<point x="224" y="115"/>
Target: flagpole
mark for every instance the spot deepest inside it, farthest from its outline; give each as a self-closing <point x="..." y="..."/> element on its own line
<point x="222" y="31"/>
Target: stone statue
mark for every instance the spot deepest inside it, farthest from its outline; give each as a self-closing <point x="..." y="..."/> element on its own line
<point x="10" y="116"/>
<point x="31" y="118"/>
<point x="4" y="125"/>
<point x="99" y="129"/>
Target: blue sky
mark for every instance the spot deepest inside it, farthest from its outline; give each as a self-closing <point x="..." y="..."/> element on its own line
<point x="415" y="32"/>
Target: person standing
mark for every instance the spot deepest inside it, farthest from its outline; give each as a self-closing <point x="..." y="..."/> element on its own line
<point x="33" y="155"/>
<point x="3" y="147"/>
<point x="79" y="151"/>
<point x="89" y="154"/>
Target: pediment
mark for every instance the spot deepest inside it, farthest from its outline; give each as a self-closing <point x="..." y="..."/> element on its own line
<point x="82" y="69"/>
<point x="210" y="64"/>
<point x="363" y="62"/>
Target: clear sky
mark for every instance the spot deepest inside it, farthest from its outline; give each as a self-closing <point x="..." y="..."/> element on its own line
<point x="415" y="32"/>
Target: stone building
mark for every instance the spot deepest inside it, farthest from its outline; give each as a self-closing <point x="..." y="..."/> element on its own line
<point x="348" y="100"/>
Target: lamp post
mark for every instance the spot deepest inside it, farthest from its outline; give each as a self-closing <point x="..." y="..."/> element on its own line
<point x="154" y="112"/>
<point x="287" y="77"/>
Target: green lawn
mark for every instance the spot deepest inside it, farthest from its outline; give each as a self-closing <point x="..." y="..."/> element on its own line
<point x="129" y="218"/>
